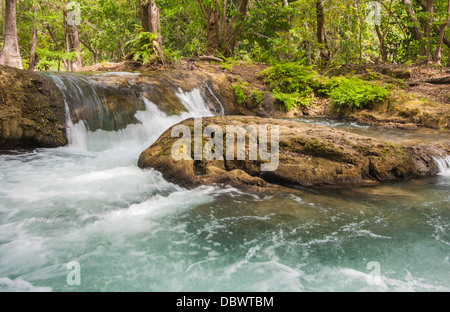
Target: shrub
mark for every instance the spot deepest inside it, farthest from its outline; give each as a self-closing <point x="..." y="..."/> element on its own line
<point x="291" y="77"/>
<point x="292" y="100"/>
<point x="295" y="85"/>
<point x="142" y="47"/>
<point x="258" y="96"/>
<point x="292" y="84"/>
<point x="327" y="85"/>
<point x="356" y="93"/>
<point x="240" y="90"/>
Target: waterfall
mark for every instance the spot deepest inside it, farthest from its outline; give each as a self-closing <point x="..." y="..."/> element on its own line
<point x="111" y="110"/>
<point x="443" y="164"/>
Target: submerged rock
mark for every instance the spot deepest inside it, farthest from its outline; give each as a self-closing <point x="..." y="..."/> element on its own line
<point x="32" y="110"/>
<point x="309" y="155"/>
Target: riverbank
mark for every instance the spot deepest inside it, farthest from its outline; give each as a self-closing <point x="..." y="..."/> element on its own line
<point x="129" y="229"/>
<point x="414" y="101"/>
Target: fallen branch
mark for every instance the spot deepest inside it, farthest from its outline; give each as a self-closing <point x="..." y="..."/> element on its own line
<point x="439" y="81"/>
<point x="211" y="58"/>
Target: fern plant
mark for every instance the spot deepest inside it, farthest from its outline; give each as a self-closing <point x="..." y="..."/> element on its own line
<point x="258" y="96"/>
<point x="292" y="84"/>
<point x="291" y="77"/>
<point x="292" y="100"/>
<point x="240" y="90"/>
<point x="142" y="47"/>
<point x="356" y="93"/>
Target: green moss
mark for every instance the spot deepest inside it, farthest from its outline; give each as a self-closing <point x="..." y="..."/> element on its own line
<point x="409" y="113"/>
<point x="316" y="148"/>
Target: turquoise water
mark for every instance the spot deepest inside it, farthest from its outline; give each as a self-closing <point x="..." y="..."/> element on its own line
<point x="130" y="230"/>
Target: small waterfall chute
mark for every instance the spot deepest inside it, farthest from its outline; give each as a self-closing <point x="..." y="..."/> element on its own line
<point x="108" y="111"/>
<point x="443" y="164"/>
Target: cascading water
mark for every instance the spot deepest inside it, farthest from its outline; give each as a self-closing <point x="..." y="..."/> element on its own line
<point x="443" y="164"/>
<point x="130" y="230"/>
<point x="137" y="123"/>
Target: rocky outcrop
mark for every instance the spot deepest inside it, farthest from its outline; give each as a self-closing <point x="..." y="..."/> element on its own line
<point x="32" y="110"/>
<point x="309" y="155"/>
<point x="161" y="88"/>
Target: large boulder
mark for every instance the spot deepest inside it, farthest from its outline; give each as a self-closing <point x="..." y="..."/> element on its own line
<point x="309" y="155"/>
<point x="32" y="110"/>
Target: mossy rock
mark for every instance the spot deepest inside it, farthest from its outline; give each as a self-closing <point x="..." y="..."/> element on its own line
<point x="310" y="155"/>
<point x="33" y="114"/>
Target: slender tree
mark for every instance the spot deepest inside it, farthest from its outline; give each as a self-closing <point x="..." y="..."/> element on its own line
<point x="321" y="35"/>
<point x="76" y="47"/>
<point x="151" y="22"/>
<point x="10" y="54"/>
<point x="223" y="30"/>
<point x="68" y="42"/>
<point x="32" y="62"/>
<point x="441" y="35"/>
<point x="211" y="14"/>
<point x="428" y="24"/>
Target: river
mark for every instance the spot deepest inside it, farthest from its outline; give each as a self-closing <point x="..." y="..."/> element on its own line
<point x="127" y="229"/>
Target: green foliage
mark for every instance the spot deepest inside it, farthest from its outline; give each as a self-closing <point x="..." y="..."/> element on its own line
<point x="371" y="75"/>
<point x="295" y="85"/>
<point x="292" y="84"/>
<point x="327" y="85"/>
<point x="272" y="32"/>
<point x="228" y="63"/>
<point x="292" y="100"/>
<point x="291" y="77"/>
<point x="356" y="93"/>
<point x="52" y="60"/>
<point x="240" y="89"/>
<point x="258" y="96"/>
<point x="142" y="47"/>
<point x="172" y="56"/>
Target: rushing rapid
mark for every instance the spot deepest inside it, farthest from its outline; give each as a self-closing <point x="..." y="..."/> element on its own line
<point x="130" y="230"/>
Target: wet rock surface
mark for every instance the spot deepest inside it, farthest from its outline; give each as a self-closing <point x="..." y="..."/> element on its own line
<point x="32" y="110"/>
<point x="309" y="155"/>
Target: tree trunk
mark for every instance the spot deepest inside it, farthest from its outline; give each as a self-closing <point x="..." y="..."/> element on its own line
<point x="441" y="35"/>
<point x="94" y="53"/>
<point x="308" y="46"/>
<point x="151" y="22"/>
<point x="68" y="40"/>
<point x="76" y="47"/>
<point x="234" y="29"/>
<point x="223" y="32"/>
<point x="428" y="24"/>
<point x="213" y="28"/>
<point x="10" y="54"/>
<point x="33" y="41"/>
<point x="155" y="28"/>
<point x="416" y="27"/>
<point x="143" y="5"/>
<point x="321" y="38"/>
<point x="383" y="51"/>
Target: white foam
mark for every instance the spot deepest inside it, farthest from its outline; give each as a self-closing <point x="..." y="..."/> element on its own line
<point x="153" y="122"/>
<point x="444" y="165"/>
<point x="349" y="279"/>
<point x="18" y="285"/>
